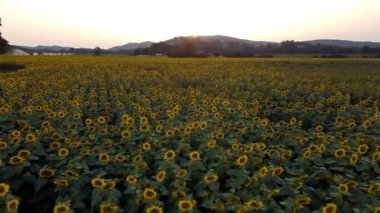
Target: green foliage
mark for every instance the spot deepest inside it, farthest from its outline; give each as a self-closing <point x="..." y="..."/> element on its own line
<point x="90" y="135"/>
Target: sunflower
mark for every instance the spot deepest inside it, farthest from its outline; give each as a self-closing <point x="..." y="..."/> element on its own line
<point x="321" y="148"/>
<point x="260" y="147"/>
<point x="277" y="171"/>
<point x="12" y="205"/>
<point x="149" y="194"/>
<point x="343" y="188"/>
<point x="98" y="183"/>
<point x="210" y="178"/>
<point x="340" y="153"/>
<point x="366" y="124"/>
<point x="46" y="173"/>
<point x="144" y="128"/>
<point x="4" y="189"/>
<point x="307" y="154"/>
<point x="146" y="146"/>
<point x="16" y="134"/>
<point x="55" y="145"/>
<point x="293" y="121"/>
<point x="16" y="160"/>
<point x="181" y="173"/>
<point x="263" y="171"/>
<point x="235" y="146"/>
<point x="3" y="145"/>
<point x="376" y="156"/>
<point x="131" y="179"/>
<point x="373" y="188"/>
<point x="203" y="125"/>
<point x="125" y="134"/>
<point x="62" y="208"/>
<point x="169" y="155"/>
<point x="186" y="205"/>
<point x="161" y="176"/>
<point x="178" y="194"/>
<point x="63" y="152"/>
<point x="264" y="122"/>
<point x="242" y="160"/>
<point x="23" y="153"/>
<point x="211" y="144"/>
<point x="30" y="138"/>
<point x="110" y="185"/>
<point x="362" y="149"/>
<point x="303" y="200"/>
<point x="195" y="155"/>
<point x="76" y="116"/>
<point x="195" y="125"/>
<point x="104" y="158"/>
<point x="119" y="158"/>
<point x="62" y="182"/>
<point x="329" y="208"/>
<point x="352" y="125"/>
<point x="154" y="209"/>
<point x="108" y="208"/>
<point x="319" y="128"/>
<point x="220" y="135"/>
<point x="255" y="204"/>
<point x="101" y="120"/>
<point x="354" y="159"/>
<point x="217" y="207"/>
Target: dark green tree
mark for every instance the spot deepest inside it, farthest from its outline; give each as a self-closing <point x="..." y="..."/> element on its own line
<point x="3" y="43"/>
<point x="97" y="51"/>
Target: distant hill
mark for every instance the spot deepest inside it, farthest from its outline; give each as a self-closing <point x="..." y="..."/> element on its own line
<point x="216" y="38"/>
<point x="220" y="45"/>
<point x="131" y="46"/>
<point x="344" y="43"/>
<point x="53" y="48"/>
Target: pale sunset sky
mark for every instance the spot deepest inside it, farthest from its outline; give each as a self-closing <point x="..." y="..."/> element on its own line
<point x="107" y="23"/>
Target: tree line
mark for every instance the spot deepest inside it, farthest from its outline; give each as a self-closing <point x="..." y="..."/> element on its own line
<point x="194" y="48"/>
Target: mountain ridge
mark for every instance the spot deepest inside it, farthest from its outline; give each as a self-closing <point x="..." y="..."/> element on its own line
<point x="131" y="46"/>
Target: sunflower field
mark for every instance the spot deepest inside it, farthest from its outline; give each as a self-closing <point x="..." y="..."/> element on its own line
<point x="134" y="134"/>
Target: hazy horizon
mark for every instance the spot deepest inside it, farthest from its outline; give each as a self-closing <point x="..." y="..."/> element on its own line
<point x="115" y="22"/>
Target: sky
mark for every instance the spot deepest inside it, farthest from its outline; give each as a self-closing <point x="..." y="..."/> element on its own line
<point x="107" y="23"/>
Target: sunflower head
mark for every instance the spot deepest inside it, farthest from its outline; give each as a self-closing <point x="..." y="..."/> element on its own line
<point x="16" y="160"/>
<point x="63" y="152"/>
<point x="362" y="149"/>
<point x="46" y="173"/>
<point x="186" y="205"/>
<point x="329" y="208"/>
<point x="277" y="171"/>
<point x="104" y="157"/>
<point x="108" y="208"/>
<point x="12" y="205"/>
<point x="62" y="208"/>
<point x="4" y="189"/>
<point x="98" y="183"/>
<point x="149" y="194"/>
<point x="131" y="179"/>
<point x="161" y="176"/>
<point x="255" y="204"/>
<point x="169" y="155"/>
<point x="343" y="188"/>
<point x="340" y="153"/>
<point x="154" y="209"/>
<point x="373" y="188"/>
<point x="195" y="155"/>
<point x="210" y="178"/>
